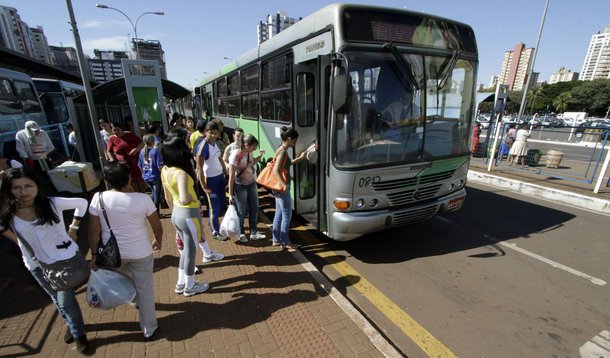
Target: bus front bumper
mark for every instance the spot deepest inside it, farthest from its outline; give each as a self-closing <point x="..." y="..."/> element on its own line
<point x="350" y="225"/>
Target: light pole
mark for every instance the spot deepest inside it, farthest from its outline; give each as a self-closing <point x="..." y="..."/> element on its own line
<point x="531" y="70"/>
<point x="134" y="26"/>
<point x="86" y="78"/>
<point x="226" y="58"/>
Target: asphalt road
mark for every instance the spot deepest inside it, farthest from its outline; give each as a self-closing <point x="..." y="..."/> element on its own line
<point x="507" y="276"/>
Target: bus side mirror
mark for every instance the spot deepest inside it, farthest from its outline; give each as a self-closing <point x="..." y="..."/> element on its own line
<point x="342" y="94"/>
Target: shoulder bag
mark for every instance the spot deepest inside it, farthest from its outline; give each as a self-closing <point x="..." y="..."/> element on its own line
<point x="62" y="275"/>
<point x="268" y="180"/>
<point x="107" y="255"/>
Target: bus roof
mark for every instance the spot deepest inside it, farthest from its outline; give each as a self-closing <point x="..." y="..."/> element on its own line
<point x="14" y="74"/>
<point x="63" y="84"/>
<point x="325" y="18"/>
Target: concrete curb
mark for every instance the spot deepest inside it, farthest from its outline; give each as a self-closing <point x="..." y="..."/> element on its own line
<point x="584" y="202"/>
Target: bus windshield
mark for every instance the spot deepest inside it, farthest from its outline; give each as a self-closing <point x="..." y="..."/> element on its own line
<point x="55" y="107"/>
<point x="405" y="108"/>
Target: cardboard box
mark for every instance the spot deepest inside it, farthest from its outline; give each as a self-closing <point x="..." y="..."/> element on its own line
<point x="65" y="177"/>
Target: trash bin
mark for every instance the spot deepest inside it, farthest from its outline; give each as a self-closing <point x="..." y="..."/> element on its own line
<point x="533" y="157"/>
<point x="553" y="158"/>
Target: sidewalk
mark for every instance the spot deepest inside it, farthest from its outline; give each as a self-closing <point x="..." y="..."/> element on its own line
<point x="262" y="302"/>
<point x="567" y="192"/>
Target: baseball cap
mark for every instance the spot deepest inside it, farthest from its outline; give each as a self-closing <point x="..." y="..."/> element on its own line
<point x="32" y="125"/>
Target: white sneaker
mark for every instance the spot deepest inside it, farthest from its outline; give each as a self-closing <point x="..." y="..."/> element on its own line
<point x="198" y="287"/>
<point x="215" y="256"/>
<point x="243" y="238"/>
<point x="258" y="236"/>
<point x="179" y="288"/>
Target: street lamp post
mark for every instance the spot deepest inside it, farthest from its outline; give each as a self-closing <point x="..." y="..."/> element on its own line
<point x="134" y="26"/>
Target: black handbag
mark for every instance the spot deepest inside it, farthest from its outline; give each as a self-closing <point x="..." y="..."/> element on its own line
<point x="107" y="255"/>
<point x="61" y="275"/>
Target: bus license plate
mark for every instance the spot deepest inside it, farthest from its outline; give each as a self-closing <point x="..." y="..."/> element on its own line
<point x="455" y="203"/>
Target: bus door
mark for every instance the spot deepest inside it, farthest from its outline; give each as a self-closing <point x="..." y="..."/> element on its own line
<point x="306" y="122"/>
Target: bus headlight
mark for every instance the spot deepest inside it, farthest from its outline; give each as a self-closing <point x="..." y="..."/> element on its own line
<point x="373" y="203"/>
<point x="360" y="204"/>
<point x="341" y="204"/>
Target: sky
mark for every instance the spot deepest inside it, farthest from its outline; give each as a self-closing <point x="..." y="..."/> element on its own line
<point x="197" y="35"/>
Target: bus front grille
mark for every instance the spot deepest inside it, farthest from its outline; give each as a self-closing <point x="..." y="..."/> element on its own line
<point x="395" y="184"/>
<point x="414" y="215"/>
<point x="433" y="178"/>
<point x="409" y="196"/>
<point x="413" y="181"/>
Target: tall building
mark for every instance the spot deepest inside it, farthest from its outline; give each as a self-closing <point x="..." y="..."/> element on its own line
<point x="515" y="67"/>
<point x="40" y="46"/>
<point x="563" y="75"/>
<point x="107" y="65"/>
<point x="274" y="25"/>
<point x="150" y="50"/>
<point x="597" y="61"/>
<point x="14" y="32"/>
<point x="64" y="58"/>
<point x="493" y="81"/>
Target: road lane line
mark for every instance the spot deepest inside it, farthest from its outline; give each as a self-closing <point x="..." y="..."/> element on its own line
<point x="418" y="334"/>
<point x="594" y="280"/>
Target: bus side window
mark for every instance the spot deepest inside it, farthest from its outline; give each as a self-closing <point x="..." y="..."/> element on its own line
<point x="9" y="104"/>
<point x="27" y="96"/>
<point x="305" y="100"/>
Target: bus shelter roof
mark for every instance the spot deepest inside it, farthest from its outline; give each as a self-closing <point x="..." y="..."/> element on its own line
<point x="115" y="92"/>
<point x="487" y="97"/>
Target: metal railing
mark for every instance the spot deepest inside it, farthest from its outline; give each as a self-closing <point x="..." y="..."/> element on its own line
<point x="571" y="153"/>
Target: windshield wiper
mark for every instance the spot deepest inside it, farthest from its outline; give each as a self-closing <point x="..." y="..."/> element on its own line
<point x="448" y="69"/>
<point x="405" y="70"/>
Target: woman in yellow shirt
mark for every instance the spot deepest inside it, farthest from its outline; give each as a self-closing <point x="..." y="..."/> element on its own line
<point x="178" y="177"/>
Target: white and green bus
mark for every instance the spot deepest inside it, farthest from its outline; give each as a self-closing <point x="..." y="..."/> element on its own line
<point x="388" y="95"/>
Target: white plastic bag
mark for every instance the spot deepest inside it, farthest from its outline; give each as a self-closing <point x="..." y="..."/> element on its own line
<point x="229" y="227"/>
<point x="108" y="289"/>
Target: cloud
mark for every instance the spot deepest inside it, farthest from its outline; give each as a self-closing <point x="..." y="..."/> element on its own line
<point x="93" y="24"/>
<point x="119" y="43"/>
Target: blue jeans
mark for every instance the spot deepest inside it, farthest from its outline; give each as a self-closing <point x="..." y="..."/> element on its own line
<point x="216" y="199"/>
<point x="66" y="304"/>
<point x="283" y="214"/>
<point x="155" y="189"/>
<point x="246" y="197"/>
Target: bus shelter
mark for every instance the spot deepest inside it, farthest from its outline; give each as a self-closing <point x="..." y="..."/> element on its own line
<point x="119" y="99"/>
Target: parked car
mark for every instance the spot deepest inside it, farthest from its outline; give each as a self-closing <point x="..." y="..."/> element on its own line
<point x="593" y="124"/>
<point x="484" y="121"/>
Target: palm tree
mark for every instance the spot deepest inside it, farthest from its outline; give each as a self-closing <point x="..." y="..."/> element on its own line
<point x="534" y="95"/>
<point x="562" y="101"/>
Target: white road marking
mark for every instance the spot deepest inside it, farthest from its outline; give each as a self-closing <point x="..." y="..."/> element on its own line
<point x="594" y="280"/>
<point x="597" y="347"/>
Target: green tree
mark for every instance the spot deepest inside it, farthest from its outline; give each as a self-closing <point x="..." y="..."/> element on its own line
<point x="562" y="102"/>
<point x="592" y="97"/>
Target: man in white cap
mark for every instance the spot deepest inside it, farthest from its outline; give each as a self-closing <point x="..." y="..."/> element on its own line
<point x="33" y="145"/>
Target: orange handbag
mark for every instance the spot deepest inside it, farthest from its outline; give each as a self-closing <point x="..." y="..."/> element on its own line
<point x="268" y="180"/>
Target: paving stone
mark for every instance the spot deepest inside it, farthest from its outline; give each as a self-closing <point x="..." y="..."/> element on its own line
<point x="261" y="303"/>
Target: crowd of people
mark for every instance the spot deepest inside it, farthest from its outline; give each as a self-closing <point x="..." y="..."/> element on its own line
<point x="193" y="167"/>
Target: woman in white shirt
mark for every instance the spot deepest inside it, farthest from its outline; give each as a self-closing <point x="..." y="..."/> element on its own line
<point x="519" y="149"/>
<point x="127" y="213"/>
<point x="243" y="190"/>
<point x="38" y="220"/>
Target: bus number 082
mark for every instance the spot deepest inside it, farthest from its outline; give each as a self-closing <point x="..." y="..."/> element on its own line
<point x="366" y="181"/>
